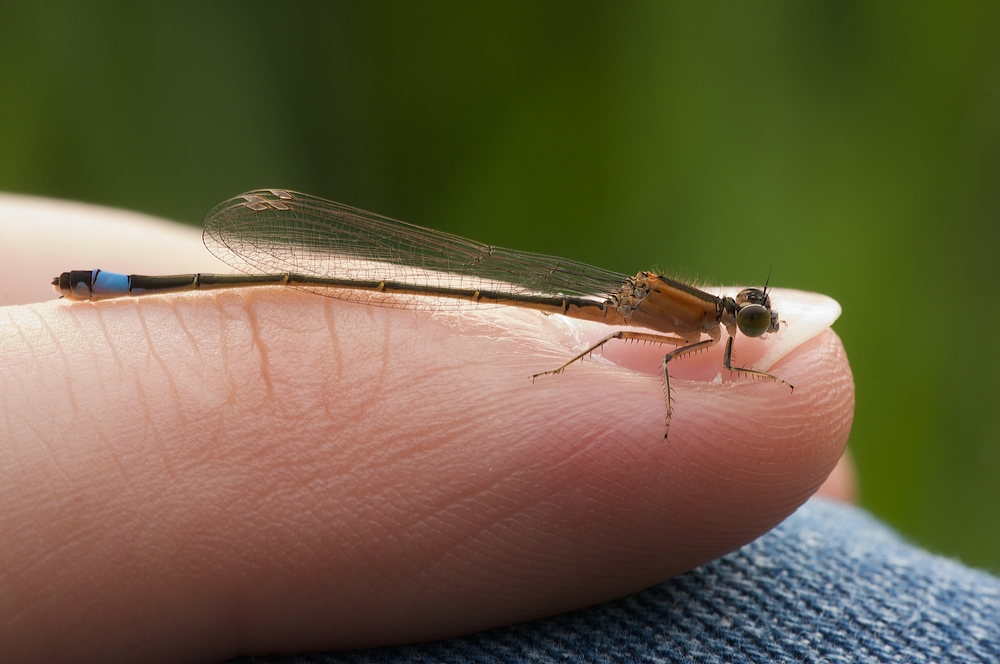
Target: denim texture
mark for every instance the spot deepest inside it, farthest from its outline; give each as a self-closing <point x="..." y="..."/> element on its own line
<point x="830" y="584"/>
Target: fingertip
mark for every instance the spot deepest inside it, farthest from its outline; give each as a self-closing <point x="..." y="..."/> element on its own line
<point x="410" y="464"/>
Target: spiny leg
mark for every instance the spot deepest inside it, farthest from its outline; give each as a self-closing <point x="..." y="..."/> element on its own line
<point x="680" y="352"/>
<point x="652" y="338"/>
<point x="623" y="334"/>
<point x="728" y="363"/>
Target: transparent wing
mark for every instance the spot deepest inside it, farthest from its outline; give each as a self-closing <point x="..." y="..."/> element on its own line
<point x="274" y="230"/>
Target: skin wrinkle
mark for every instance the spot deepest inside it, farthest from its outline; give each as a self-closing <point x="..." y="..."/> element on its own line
<point x="232" y="399"/>
<point x="28" y="346"/>
<point x="72" y="310"/>
<point x="331" y="325"/>
<point x="257" y="342"/>
<point x="70" y="396"/>
<point x="175" y="396"/>
<point x="220" y="427"/>
<point x="201" y="362"/>
<point x="38" y="434"/>
<point x="152" y="439"/>
<point x="367" y="405"/>
<point x="193" y="342"/>
<point x="82" y="334"/>
<point x="358" y="459"/>
<point x="141" y="401"/>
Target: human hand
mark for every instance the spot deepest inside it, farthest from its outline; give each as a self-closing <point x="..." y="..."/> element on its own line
<point x="194" y="476"/>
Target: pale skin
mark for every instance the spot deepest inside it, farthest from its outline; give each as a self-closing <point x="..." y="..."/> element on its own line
<point x="191" y="477"/>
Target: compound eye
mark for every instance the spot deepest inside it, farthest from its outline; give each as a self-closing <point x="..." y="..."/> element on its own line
<point x="753" y="320"/>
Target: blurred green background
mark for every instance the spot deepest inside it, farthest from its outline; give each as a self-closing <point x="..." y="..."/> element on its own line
<point x="850" y="148"/>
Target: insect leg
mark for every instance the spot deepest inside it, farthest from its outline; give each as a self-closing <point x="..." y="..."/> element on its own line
<point x="728" y="363"/>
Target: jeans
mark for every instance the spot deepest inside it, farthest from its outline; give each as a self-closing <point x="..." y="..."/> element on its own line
<point x="830" y="584"/>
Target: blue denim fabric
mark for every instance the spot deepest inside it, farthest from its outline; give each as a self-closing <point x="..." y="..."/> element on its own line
<point x="830" y="584"/>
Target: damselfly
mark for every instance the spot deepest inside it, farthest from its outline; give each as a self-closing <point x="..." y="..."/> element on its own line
<point x="279" y="237"/>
